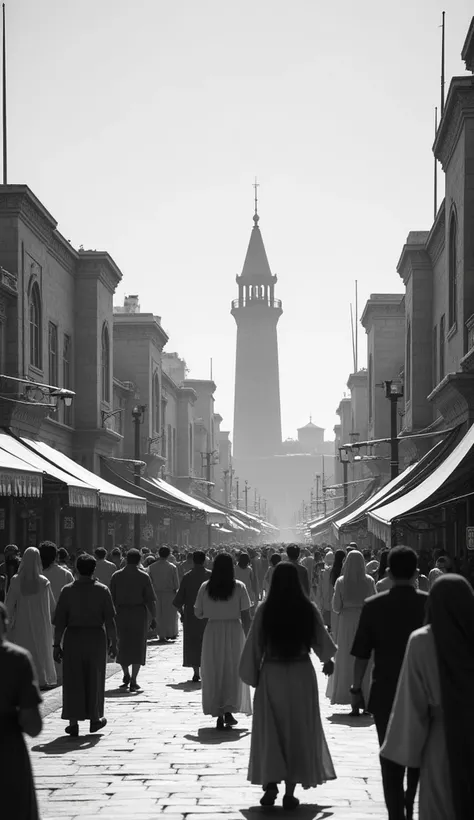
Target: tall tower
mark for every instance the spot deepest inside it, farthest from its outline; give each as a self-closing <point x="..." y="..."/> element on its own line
<point x="257" y="415"/>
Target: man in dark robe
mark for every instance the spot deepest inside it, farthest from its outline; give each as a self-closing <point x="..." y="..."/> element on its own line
<point x="85" y="616"/>
<point x="135" y="602"/>
<point x="8" y="568"/>
<point x="193" y="628"/>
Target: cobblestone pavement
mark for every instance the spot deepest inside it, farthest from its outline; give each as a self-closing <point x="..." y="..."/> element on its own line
<point x="159" y="755"/>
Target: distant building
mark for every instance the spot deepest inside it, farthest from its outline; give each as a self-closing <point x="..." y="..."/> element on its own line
<point x="257" y="415"/>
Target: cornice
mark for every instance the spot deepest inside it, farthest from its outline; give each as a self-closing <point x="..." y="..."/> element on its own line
<point x="129" y="327"/>
<point x="437" y="238"/>
<point x="459" y="107"/>
<point x="375" y="309"/>
<point x="99" y="264"/>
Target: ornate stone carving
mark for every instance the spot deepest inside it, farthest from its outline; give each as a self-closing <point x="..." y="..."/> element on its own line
<point x="460" y="104"/>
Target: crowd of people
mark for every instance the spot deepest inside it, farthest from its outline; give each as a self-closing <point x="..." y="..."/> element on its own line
<point x="393" y="631"/>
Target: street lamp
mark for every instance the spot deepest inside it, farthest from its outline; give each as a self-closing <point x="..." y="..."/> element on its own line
<point x="138" y="415"/>
<point x="344" y="459"/>
<point x="393" y="392"/>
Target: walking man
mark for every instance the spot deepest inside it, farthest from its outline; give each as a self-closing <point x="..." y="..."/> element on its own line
<point x="164" y="577"/>
<point x="134" y="600"/>
<point x="293" y="553"/>
<point x="85" y="616"/>
<point x="193" y="628"/>
<point x="386" y="622"/>
<point x="104" y="569"/>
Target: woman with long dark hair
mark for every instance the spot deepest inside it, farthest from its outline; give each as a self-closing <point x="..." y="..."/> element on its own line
<point x="288" y="742"/>
<point x="339" y="558"/>
<point x="432" y="722"/>
<point x="225" y="603"/>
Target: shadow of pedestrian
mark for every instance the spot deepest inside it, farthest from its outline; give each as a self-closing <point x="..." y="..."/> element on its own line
<point x="121" y="693"/>
<point x="185" y="685"/>
<point x="306" y="811"/>
<point x="64" y="744"/>
<point x="213" y="737"/>
<point x="345" y="719"/>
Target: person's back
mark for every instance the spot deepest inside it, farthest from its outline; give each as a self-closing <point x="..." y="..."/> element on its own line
<point x="85" y="603"/>
<point x="220" y="610"/>
<point x="293" y="553"/>
<point x="104" y="569"/>
<point x="164" y="575"/>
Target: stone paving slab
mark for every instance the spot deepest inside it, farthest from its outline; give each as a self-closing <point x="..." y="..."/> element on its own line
<point x="159" y="756"/>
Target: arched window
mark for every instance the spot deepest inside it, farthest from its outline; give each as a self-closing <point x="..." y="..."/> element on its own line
<point x="105" y="363"/>
<point x="156" y="403"/>
<point x="36" y="330"/>
<point x="370" y="387"/>
<point x="408" y="363"/>
<point x="452" y="271"/>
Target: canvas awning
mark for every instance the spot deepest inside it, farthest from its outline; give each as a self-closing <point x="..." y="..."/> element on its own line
<point x="110" y="498"/>
<point x="80" y="493"/>
<point x="320" y="525"/>
<point x="18" y="478"/>
<point x="377" y="498"/>
<point x="213" y="515"/>
<point x="436" y="484"/>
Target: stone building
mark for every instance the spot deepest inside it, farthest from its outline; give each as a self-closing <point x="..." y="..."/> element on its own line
<point x="55" y="330"/>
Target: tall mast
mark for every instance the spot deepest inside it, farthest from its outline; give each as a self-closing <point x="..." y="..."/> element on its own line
<point x="443" y="28"/>
<point x="435" y="181"/>
<point x="4" y="95"/>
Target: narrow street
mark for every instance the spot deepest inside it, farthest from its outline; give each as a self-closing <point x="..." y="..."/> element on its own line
<point x="160" y="755"/>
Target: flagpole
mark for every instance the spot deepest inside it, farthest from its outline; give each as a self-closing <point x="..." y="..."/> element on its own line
<point x="442" y="61"/>
<point x="4" y="94"/>
<point x="436" y="169"/>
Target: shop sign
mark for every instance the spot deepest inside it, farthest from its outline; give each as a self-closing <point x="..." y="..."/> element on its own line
<point x="68" y="523"/>
<point x="470" y="538"/>
<point x="2" y="519"/>
<point x="111" y="528"/>
<point x="166" y="522"/>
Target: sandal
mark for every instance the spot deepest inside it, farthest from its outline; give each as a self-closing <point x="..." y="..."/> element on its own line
<point x="230" y="720"/>
<point x="271" y="793"/>
<point x="126" y="681"/>
<point x="97" y="725"/>
<point x="72" y="731"/>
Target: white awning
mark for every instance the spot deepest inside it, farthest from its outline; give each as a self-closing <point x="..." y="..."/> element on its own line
<point x="18" y="478"/>
<point x="377" y="498"/>
<point x="111" y="498"/>
<point x="80" y="493"/>
<point x="379" y="520"/>
<point x="213" y="516"/>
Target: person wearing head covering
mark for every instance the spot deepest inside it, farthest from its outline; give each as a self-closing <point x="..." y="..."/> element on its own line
<point x="193" y="628"/>
<point x="288" y="742"/>
<point x="432" y="722"/>
<point x="350" y="591"/>
<point x="19" y="714"/>
<point x="30" y="603"/>
<point x="324" y="590"/>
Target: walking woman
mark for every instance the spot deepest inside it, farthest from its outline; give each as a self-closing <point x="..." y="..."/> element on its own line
<point x="336" y="569"/>
<point x="288" y="742"/>
<point x="432" y="723"/>
<point x="19" y="713"/>
<point x="350" y="592"/>
<point x="225" y="603"/>
<point x="30" y="605"/>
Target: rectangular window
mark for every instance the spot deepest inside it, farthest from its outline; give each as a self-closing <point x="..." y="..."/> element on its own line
<point x="67" y="377"/>
<point x="435" y="356"/>
<point x="53" y="353"/>
<point x="442" y="339"/>
<point x="175" y="453"/>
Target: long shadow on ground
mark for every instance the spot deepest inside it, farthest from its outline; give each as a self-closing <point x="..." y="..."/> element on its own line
<point x="305" y="811"/>
<point x="213" y="737"/>
<point x="345" y="719"/>
<point x="63" y="745"/>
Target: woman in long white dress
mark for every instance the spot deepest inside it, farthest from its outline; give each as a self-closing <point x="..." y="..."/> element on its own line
<point x="30" y="603"/>
<point x="225" y="603"/>
<point x="288" y="741"/>
<point x="432" y="722"/>
<point x="350" y="591"/>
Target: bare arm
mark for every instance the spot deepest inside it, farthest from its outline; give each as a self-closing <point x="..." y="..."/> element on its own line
<point x="360" y="668"/>
<point x="246" y="620"/>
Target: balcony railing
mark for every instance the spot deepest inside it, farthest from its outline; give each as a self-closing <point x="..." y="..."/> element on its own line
<point x="272" y="303"/>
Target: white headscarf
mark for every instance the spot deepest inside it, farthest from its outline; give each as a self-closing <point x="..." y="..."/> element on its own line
<point x="329" y="558"/>
<point x="30" y="571"/>
<point x="355" y="577"/>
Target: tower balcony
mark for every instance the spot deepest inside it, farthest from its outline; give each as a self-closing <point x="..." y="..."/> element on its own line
<point x="256" y="302"/>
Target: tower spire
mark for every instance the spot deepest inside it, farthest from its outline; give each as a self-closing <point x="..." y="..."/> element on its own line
<point x="256" y="186"/>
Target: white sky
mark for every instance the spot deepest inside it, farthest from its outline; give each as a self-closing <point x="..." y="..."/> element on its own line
<point x="141" y="125"/>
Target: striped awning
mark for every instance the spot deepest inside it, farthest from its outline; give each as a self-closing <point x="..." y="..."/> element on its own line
<point x="19" y="479"/>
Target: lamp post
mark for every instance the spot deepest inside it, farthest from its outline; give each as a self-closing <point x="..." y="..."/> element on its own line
<point x="344" y="459"/>
<point x="393" y="392"/>
<point x="138" y="415"/>
<point x="237" y="493"/>
<point x="246" y="493"/>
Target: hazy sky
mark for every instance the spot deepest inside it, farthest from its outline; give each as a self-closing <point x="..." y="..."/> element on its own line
<point x="141" y="125"/>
